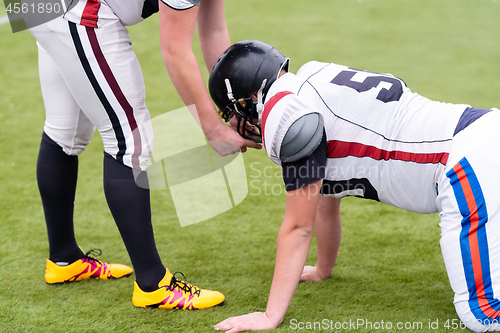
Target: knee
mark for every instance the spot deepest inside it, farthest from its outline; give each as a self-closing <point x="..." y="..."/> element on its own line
<point x="52" y="150"/>
<point x="70" y="145"/>
<point x="475" y="319"/>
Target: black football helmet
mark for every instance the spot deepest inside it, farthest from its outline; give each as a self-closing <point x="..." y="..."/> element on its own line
<point x="245" y="67"/>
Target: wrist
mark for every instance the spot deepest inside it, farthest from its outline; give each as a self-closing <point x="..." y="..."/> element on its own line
<point x="214" y="129"/>
<point x="323" y="273"/>
<point x="275" y="321"/>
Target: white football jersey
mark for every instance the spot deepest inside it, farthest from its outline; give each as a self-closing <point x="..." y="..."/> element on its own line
<point x="99" y="13"/>
<point x="384" y="141"/>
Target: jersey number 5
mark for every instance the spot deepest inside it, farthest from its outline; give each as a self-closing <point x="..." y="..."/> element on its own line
<point x="385" y="95"/>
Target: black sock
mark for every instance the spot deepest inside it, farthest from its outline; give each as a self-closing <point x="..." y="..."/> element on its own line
<point x="56" y="176"/>
<point x="131" y="209"/>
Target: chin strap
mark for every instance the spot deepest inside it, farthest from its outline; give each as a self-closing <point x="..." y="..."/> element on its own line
<point x="260" y="102"/>
<point x="229" y="91"/>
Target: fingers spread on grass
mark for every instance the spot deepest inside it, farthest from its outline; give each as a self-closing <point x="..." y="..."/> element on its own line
<point x="257" y="321"/>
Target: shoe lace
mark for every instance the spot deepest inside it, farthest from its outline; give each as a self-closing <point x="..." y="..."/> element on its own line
<point x="183" y="285"/>
<point x="92" y="255"/>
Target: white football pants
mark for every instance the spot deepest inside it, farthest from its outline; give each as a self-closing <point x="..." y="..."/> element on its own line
<point x="90" y="78"/>
<point x="469" y="205"/>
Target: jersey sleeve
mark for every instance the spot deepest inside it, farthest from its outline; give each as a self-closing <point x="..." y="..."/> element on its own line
<point x="181" y="4"/>
<point x="283" y="108"/>
<point x="307" y="170"/>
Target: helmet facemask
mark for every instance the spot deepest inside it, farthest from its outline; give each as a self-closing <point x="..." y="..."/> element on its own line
<point x="248" y="112"/>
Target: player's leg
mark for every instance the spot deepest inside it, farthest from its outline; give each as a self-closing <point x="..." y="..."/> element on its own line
<point x="130" y="207"/>
<point x="112" y="73"/>
<point x="57" y="165"/>
<point x="469" y="205"/>
<point x="129" y="203"/>
<point x="67" y="131"/>
<point x="80" y="58"/>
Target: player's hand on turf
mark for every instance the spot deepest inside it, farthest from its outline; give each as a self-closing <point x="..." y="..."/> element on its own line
<point x="257" y="321"/>
<point x="310" y="273"/>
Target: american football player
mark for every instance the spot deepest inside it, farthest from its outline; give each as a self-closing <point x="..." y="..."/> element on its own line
<point x="90" y="78"/>
<point x="337" y="131"/>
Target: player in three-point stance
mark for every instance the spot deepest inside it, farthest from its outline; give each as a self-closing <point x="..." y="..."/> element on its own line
<point x="90" y="78"/>
<point x="420" y="155"/>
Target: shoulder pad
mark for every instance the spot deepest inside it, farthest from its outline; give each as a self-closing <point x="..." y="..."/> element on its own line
<point x="302" y="137"/>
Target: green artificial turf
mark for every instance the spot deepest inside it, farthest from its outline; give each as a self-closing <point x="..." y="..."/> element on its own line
<point x="389" y="270"/>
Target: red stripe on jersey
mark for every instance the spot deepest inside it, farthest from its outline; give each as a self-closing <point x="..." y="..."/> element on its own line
<point x="338" y="149"/>
<point x="89" y="15"/>
<point x="268" y="107"/>
<point x="120" y="97"/>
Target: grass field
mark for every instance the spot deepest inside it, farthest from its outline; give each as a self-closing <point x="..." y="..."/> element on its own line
<point x="390" y="267"/>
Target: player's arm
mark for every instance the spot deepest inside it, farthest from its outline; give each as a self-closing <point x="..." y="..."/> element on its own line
<point x="212" y="30"/>
<point x="177" y="28"/>
<point x="294" y="240"/>
<point x="328" y="235"/>
<point x="303" y="155"/>
<point x="328" y="222"/>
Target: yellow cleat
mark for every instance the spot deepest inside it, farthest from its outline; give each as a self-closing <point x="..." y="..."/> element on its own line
<point x="173" y="293"/>
<point x="84" y="269"/>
